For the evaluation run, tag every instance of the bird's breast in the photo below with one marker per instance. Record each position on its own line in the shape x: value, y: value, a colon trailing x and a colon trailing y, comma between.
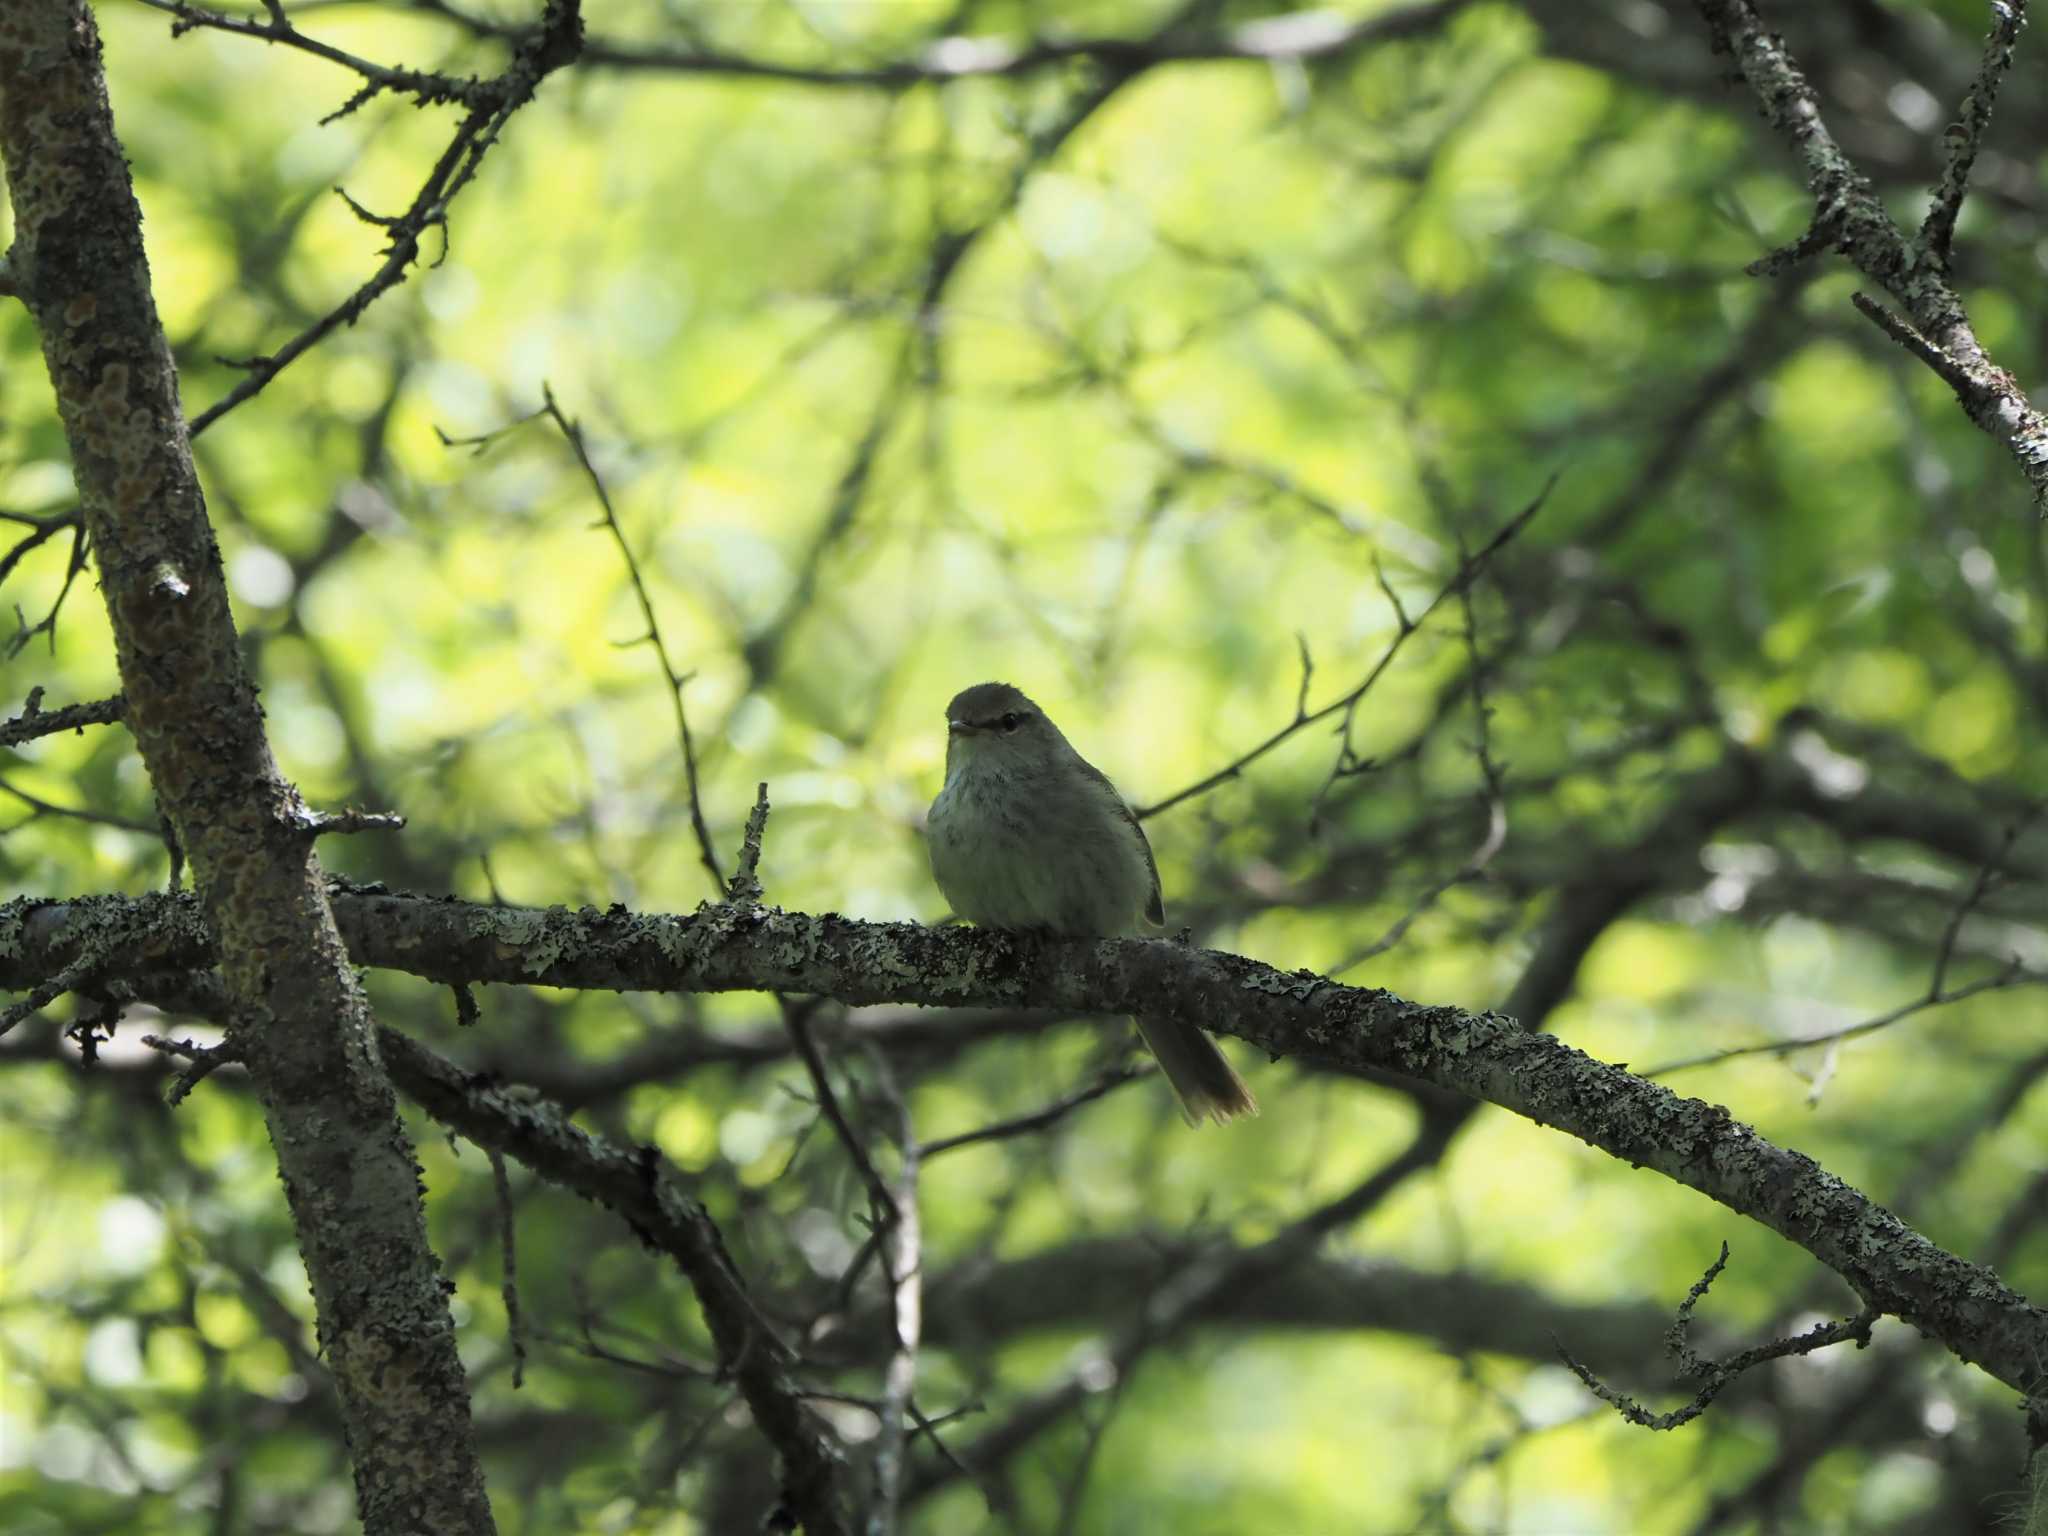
x: 1022, y: 854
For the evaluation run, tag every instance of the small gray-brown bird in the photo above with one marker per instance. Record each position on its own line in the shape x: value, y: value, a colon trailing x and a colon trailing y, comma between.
x: 1029, y: 834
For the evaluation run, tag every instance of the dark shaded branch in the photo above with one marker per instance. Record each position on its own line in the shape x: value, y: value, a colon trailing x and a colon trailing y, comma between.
x: 425, y: 86
x: 41, y: 807
x: 641, y: 1186
x: 1180, y: 1295
x: 1041, y: 1119
x: 1300, y: 36
x: 1061, y: 1288
x: 542, y: 50
x: 1716, y: 1375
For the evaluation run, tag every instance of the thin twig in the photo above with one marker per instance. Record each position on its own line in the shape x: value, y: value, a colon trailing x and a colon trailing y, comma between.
x: 1492, y: 795
x: 573, y: 431
x: 1851, y: 218
x: 796, y: 1019
x: 1938, y: 994
x: 1181, y: 1296
x: 1287, y: 38
x: 1908, y: 336
x: 1466, y: 572
x: 1075, y: 1491
x: 509, y: 1287
x: 642, y: 1187
x: 35, y: 721
x: 74, y: 564
x: 43, y: 807
x: 41, y: 529
x: 1988, y: 874
x: 428, y: 88
x: 1717, y: 1374
x: 1039, y: 1119
x: 903, y: 1267
x: 2012, y: 974
x: 491, y: 104
x: 204, y: 1061
x: 41, y: 997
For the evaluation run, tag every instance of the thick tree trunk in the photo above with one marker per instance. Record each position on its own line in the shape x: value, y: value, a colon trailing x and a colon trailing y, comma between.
x: 301, y: 1021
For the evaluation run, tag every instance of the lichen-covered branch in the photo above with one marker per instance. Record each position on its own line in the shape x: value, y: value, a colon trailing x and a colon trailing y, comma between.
x: 1288, y: 1014
x: 300, y: 1020
x: 1851, y: 218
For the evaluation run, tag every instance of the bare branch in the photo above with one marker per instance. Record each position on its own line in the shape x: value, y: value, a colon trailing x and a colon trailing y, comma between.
x: 507, y: 1242
x: 542, y: 50
x: 1988, y: 875
x: 205, y: 1061
x: 1938, y: 993
x: 1287, y: 38
x: 41, y: 807
x: 428, y: 88
x: 1492, y: 795
x: 47, y: 992
x: 1183, y: 1294
x: 74, y: 566
x: 796, y: 1018
x: 903, y: 1270
x: 34, y: 720
x: 1467, y: 572
x: 1718, y: 1374
x: 1906, y: 335
x: 385, y: 1325
x: 1040, y: 1119
x: 676, y: 681
x: 1308, y: 671
x: 329, y: 823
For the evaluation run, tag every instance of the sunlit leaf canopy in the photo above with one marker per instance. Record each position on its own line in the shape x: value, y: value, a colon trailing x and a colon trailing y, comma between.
x: 1133, y: 387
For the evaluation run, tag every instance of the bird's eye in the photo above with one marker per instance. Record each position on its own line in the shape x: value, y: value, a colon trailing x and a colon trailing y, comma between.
x: 1011, y: 721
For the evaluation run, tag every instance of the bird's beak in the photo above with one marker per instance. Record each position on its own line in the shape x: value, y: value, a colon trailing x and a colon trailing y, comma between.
x: 959, y: 728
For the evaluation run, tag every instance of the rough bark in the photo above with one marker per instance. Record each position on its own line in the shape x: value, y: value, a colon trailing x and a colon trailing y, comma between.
x: 301, y: 1022
x: 1289, y: 1014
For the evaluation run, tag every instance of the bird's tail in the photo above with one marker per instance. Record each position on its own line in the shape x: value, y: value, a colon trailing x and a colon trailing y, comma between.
x: 1203, y: 1080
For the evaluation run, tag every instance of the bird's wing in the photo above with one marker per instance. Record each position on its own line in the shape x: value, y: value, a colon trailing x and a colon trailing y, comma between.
x: 1155, y: 908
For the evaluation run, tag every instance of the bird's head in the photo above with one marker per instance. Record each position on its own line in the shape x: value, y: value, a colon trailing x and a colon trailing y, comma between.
x: 994, y: 724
